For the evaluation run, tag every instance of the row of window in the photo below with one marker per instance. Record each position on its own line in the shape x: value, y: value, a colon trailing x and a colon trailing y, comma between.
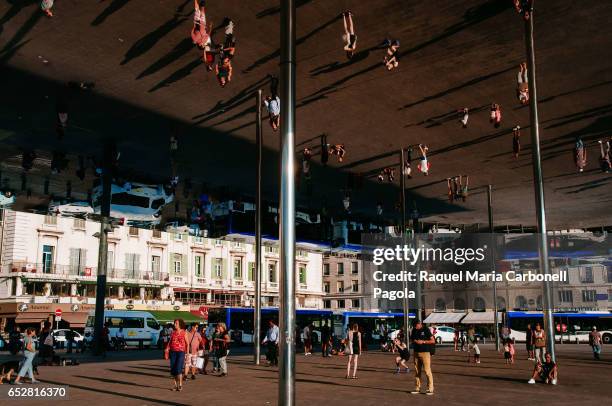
x: 341, y: 304
x: 340, y: 287
x: 567, y: 296
x: 340, y: 268
x: 78, y: 258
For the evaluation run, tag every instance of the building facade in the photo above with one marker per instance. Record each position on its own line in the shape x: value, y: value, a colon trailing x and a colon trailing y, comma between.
x: 51, y: 259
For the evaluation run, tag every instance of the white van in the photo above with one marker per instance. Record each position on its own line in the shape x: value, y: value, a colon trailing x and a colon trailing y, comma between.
x: 137, y: 326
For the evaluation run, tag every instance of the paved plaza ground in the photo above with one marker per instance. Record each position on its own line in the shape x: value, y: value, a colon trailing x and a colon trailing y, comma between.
x: 142, y: 378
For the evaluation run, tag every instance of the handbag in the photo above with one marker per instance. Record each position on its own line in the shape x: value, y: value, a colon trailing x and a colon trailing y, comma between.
x: 199, y: 363
x: 200, y: 353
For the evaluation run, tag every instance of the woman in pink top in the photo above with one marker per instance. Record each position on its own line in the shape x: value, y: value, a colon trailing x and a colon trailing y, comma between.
x: 175, y: 351
x: 195, y: 344
x: 199, y: 35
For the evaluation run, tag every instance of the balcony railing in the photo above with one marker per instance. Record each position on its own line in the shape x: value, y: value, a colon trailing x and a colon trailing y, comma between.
x: 83, y: 271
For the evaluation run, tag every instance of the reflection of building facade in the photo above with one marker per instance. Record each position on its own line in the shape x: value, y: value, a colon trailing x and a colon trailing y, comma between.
x: 49, y: 259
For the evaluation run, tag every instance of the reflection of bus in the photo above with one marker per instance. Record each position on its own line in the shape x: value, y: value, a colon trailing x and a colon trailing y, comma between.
x: 370, y: 323
x: 240, y: 320
x: 571, y: 327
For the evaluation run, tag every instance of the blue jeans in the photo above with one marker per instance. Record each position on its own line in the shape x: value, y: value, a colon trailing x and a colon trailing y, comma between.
x: 177, y: 362
x: 27, y: 366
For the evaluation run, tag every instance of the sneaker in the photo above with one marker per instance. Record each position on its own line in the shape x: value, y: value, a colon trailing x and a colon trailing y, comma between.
x: 36, y: 381
x: 17, y: 383
x: 554, y: 382
x: 429, y: 393
x: 397, y: 371
x: 531, y: 381
x: 415, y: 392
x: 478, y: 362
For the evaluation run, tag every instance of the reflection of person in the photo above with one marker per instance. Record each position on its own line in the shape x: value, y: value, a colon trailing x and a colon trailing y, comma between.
x: 349, y: 36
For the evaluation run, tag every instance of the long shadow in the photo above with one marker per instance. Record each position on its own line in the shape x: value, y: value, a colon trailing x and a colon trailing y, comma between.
x: 177, y: 75
x: 582, y: 115
x: 16, y: 7
x: 334, y: 66
x: 462, y: 86
x: 270, y: 11
x: 13, y: 45
x: 446, y: 117
x: 586, y: 186
x: 147, y: 42
x: 115, y: 393
x: 223, y: 106
x: 178, y: 51
x: 570, y: 92
x: 112, y: 8
x: 299, y: 41
x: 358, y: 384
x: 151, y: 368
x: 123, y: 371
x: 470, y: 143
x: 472, y: 16
x: 106, y: 380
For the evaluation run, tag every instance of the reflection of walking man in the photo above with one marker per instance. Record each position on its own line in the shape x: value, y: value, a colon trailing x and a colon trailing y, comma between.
x: 272, y: 341
x: 422, y: 342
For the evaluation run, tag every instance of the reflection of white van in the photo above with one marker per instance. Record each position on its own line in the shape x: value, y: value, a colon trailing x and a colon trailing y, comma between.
x: 137, y: 326
x: 135, y: 202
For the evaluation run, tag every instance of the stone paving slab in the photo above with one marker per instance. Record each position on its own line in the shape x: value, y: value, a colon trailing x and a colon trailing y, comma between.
x: 147, y: 382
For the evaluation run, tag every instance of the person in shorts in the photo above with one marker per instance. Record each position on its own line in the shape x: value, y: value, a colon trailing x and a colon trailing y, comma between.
x: 546, y: 371
x: 424, y: 165
x: 604, y: 157
x: 403, y: 355
x: 349, y: 37
x: 522, y: 85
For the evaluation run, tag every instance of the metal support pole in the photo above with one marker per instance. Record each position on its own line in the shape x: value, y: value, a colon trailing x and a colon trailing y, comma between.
x: 257, y: 320
x: 405, y: 304
x: 539, y: 185
x: 286, y: 384
x: 493, y: 267
x: 99, y: 340
x: 418, y: 290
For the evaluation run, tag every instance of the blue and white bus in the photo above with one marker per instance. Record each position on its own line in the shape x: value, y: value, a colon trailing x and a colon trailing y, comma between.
x: 572, y: 327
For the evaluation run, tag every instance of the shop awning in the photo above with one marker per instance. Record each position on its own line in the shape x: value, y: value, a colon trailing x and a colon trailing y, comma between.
x: 444, y: 318
x: 168, y: 316
x: 76, y: 320
x: 481, y: 318
x: 25, y: 318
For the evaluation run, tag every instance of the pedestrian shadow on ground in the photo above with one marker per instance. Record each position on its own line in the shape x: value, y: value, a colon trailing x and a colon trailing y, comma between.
x: 115, y: 393
x: 112, y: 8
x: 123, y: 371
x: 106, y: 380
x: 358, y: 384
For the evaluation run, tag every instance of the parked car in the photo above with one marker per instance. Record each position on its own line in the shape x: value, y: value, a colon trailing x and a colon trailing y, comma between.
x: 445, y: 334
x: 6, y: 199
x: 135, y: 202
x: 70, y: 208
x: 60, y: 335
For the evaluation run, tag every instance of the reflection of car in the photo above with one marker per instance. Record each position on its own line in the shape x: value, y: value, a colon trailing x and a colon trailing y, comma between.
x: 6, y: 199
x: 135, y: 202
x: 68, y: 208
x: 445, y: 334
x: 60, y: 335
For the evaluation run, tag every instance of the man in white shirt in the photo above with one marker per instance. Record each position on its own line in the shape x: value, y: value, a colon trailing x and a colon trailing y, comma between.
x: 271, y: 340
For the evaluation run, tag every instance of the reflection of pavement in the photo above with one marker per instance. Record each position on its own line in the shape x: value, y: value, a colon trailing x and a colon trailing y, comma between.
x: 321, y: 381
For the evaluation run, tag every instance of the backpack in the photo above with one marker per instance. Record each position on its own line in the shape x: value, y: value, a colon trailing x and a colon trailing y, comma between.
x: 49, y: 339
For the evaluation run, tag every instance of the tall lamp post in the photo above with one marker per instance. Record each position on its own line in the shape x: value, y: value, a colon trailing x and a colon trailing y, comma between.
x: 493, y: 268
x: 257, y: 315
x: 539, y: 184
x: 405, y: 304
x: 286, y: 383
